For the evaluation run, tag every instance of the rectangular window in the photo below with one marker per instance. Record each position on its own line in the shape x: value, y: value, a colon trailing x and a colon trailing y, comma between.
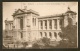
x: 50, y: 24
x: 55, y: 23
x: 33, y: 21
x: 61, y: 23
x: 41, y: 24
x: 45, y: 24
x: 21, y: 35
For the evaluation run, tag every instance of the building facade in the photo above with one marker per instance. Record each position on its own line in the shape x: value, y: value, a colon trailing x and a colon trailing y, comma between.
x: 28, y: 25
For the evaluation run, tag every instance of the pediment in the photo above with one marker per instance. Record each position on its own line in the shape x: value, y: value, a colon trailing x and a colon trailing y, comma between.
x: 19, y: 11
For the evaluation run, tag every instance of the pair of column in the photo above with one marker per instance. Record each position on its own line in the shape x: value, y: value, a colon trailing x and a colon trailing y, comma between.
x: 58, y: 24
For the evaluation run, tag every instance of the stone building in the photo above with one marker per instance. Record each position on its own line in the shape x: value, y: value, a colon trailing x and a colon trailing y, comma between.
x: 28, y: 25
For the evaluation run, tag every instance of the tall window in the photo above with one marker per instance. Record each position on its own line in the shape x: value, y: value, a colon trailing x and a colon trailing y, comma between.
x: 50, y: 34
x: 45, y: 24
x: 55, y: 34
x: 55, y: 23
x: 41, y: 34
x: 50, y: 24
x: 21, y: 23
x: 33, y: 21
x: 41, y: 24
x: 21, y: 35
x: 45, y: 34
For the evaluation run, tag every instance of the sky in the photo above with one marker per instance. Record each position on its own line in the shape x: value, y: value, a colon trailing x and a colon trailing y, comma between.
x: 44, y: 8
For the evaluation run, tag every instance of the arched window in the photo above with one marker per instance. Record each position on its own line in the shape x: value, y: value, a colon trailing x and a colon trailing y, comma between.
x: 55, y: 34
x: 45, y: 34
x: 50, y: 34
x: 59, y: 34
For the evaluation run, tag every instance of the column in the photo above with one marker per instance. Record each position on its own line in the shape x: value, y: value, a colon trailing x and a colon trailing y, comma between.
x: 58, y: 24
x: 37, y: 23
x: 15, y: 23
x: 23, y: 22
x: 19, y: 23
x: 47, y: 24
x: 52, y: 24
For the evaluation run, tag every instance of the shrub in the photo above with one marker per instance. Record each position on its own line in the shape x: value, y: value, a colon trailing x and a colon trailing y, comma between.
x: 24, y: 44
x: 35, y: 45
x: 46, y: 41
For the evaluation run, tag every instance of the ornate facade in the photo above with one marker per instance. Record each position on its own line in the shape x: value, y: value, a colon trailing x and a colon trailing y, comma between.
x: 27, y: 25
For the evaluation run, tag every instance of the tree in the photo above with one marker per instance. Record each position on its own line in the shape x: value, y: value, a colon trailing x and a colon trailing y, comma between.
x: 70, y: 32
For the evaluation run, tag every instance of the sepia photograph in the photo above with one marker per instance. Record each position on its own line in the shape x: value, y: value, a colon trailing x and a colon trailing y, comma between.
x: 40, y: 25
